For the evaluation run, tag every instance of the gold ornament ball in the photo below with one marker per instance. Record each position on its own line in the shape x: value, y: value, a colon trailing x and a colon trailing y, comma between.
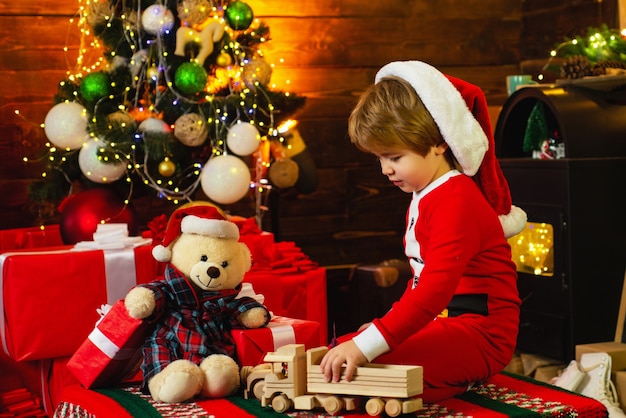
x: 121, y: 121
x: 153, y: 72
x: 167, y: 168
x: 224, y: 59
x: 284, y: 173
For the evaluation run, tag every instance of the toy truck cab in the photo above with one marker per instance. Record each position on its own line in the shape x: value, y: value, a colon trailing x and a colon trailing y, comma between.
x: 288, y: 378
x: 280, y: 379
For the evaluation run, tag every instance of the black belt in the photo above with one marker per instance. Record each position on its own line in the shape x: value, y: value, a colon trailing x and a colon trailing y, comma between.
x: 468, y: 303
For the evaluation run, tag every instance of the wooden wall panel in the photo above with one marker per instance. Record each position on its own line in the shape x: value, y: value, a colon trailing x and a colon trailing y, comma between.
x: 331, y: 51
x: 337, y: 41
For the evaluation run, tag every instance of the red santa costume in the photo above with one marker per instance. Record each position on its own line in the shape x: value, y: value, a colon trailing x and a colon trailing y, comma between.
x: 459, y: 315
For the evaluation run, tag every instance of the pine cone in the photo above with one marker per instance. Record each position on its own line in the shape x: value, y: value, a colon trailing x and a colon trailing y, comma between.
x: 576, y: 66
x: 601, y: 66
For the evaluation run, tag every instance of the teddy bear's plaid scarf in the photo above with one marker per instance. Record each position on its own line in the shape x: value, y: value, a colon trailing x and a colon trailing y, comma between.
x: 504, y: 395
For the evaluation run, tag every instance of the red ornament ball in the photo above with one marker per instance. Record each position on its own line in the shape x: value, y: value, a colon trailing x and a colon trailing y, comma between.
x: 82, y: 212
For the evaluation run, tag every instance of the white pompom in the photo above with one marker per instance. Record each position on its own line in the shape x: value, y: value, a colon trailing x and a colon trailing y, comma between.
x: 514, y: 222
x: 162, y: 254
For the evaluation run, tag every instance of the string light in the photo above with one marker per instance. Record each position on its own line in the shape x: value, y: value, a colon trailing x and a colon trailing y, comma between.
x: 599, y: 44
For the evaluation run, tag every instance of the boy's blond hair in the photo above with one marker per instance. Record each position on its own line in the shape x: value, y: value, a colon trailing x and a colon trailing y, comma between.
x: 391, y: 115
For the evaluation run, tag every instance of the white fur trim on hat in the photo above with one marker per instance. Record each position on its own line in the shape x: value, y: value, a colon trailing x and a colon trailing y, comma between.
x: 513, y: 222
x: 457, y: 125
x: 192, y: 224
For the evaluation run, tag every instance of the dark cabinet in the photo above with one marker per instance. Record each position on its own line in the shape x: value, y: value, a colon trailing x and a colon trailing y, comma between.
x: 582, y: 197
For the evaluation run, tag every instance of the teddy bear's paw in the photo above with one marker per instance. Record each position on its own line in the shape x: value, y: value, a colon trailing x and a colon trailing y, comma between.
x: 221, y: 376
x: 255, y: 317
x: 140, y: 302
x: 179, y: 381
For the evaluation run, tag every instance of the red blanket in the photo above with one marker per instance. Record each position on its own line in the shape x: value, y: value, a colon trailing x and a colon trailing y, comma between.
x: 504, y: 395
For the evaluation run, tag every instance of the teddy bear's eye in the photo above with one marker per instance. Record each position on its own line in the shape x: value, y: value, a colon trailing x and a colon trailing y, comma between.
x: 204, y: 258
x: 224, y: 264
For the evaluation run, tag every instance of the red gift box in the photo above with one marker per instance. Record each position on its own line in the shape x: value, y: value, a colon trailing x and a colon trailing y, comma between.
x: 31, y: 237
x: 112, y: 351
x: 253, y: 344
x: 56, y: 292
x: 45, y: 379
x: 295, y: 293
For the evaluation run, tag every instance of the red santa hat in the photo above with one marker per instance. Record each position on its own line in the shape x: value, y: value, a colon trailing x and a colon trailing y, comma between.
x: 461, y: 113
x: 194, y: 219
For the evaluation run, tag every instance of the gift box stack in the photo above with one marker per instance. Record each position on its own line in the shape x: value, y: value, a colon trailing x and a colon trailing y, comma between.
x: 50, y: 297
x: 53, y: 300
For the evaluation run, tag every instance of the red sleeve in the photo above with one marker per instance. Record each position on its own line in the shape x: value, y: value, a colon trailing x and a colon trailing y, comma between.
x: 449, y: 231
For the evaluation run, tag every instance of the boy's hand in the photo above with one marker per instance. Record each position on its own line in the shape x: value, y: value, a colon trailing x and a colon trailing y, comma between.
x: 345, y: 353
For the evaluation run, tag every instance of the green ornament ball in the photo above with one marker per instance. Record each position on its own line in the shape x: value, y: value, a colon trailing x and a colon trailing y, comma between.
x: 94, y: 86
x: 190, y: 78
x: 239, y: 15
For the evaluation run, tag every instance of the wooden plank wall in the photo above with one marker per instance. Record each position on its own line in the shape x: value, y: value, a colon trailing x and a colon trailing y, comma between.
x: 331, y: 51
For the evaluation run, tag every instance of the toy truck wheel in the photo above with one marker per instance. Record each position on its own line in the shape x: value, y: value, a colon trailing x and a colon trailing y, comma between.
x: 374, y: 406
x: 393, y: 407
x: 281, y: 403
x: 332, y: 405
x: 258, y: 388
x: 244, y: 372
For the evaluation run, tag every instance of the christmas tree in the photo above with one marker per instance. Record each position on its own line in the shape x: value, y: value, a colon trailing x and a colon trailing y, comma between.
x: 177, y: 97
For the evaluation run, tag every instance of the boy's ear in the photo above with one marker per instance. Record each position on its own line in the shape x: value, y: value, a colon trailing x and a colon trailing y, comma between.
x: 441, y: 148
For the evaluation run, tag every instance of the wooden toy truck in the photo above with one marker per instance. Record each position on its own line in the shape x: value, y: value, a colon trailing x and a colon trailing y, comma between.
x: 291, y: 377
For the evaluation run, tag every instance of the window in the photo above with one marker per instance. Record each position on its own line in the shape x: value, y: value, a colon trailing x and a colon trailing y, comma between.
x: 533, y: 249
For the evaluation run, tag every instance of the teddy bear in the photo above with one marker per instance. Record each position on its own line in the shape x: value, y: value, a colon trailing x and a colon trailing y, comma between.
x: 194, y: 306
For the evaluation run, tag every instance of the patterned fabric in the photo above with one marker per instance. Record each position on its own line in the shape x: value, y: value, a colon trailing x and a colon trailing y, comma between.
x: 197, y: 327
x: 69, y: 410
x: 504, y: 395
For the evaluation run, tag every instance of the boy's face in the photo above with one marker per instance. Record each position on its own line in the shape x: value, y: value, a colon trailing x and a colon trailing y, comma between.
x: 410, y: 171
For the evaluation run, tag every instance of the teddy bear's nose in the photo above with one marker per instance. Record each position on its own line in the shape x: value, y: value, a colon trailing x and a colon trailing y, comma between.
x: 213, y: 272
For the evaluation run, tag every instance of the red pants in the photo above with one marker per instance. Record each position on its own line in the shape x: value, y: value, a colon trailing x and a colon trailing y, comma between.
x: 455, y: 353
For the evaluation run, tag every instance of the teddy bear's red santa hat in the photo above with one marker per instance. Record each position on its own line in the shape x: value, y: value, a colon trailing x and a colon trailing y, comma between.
x: 194, y: 219
x: 461, y: 113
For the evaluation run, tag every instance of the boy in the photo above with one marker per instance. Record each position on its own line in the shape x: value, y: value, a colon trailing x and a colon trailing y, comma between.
x: 459, y: 315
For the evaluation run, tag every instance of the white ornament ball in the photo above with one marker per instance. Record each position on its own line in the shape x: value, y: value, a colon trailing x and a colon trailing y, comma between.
x: 95, y: 169
x: 225, y: 179
x: 191, y: 129
x: 157, y: 19
x: 66, y: 125
x: 243, y: 138
x: 154, y: 125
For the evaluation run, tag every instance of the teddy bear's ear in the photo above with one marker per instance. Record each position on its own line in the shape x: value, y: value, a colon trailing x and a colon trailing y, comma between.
x: 247, y: 256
